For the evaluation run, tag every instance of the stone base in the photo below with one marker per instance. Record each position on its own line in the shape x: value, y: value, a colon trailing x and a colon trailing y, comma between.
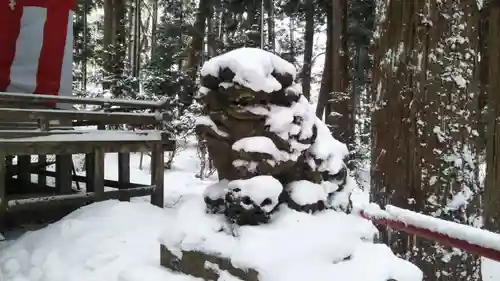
x: 203, y: 265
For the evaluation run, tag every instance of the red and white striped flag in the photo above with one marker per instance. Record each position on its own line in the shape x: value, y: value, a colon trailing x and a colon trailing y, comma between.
x: 36, y: 43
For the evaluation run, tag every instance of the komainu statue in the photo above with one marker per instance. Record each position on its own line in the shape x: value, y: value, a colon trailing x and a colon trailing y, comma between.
x: 264, y: 138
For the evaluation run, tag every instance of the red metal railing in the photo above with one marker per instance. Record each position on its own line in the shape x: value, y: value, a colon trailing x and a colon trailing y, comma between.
x: 481, y: 242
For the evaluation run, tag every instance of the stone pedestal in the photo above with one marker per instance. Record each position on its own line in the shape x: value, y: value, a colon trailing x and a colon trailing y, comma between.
x: 203, y: 265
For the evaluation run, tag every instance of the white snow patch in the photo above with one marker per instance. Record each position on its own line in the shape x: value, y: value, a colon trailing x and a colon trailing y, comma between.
x: 216, y: 190
x: 97, y: 242
x: 328, y: 149
x: 259, y: 188
x: 490, y: 270
x: 305, y: 192
x: 460, y: 81
x: 207, y: 121
x: 249, y: 165
x: 252, y: 68
x: 260, y: 144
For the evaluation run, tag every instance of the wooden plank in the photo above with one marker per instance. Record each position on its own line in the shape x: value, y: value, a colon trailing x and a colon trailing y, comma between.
x: 79, y: 135
x: 15, y: 205
x: 107, y: 183
x: 26, y: 98
x: 64, y: 165
x: 18, y: 114
x: 124, y: 171
x: 157, y: 174
x: 25, y: 148
x: 3, y: 191
x: 98, y: 173
x: 12, y: 134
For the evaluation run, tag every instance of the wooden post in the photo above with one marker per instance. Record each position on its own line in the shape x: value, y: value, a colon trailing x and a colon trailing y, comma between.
x: 89, y: 172
x: 3, y: 192
x: 64, y: 165
x: 90, y: 167
x: 64, y: 182
x: 157, y: 174
x: 24, y: 174
x: 98, y: 173
x: 124, y: 172
x: 42, y: 159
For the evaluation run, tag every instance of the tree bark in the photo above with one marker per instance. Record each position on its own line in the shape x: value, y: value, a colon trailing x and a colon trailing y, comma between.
x: 340, y: 107
x: 492, y: 184
x: 308, y: 49
x: 154, y: 27
x: 326, y: 86
x: 196, y: 48
x: 424, y: 131
x: 107, y: 43
x: 270, y: 26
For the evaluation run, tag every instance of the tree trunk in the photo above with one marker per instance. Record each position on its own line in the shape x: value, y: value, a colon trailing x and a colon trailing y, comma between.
x: 308, y: 49
x: 325, y: 90
x: 130, y: 23
x: 107, y: 43
x: 153, y: 27
x: 340, y: 108
x: 196, y: 48
x: 424, y: 130
x: 270, y: 26
x: 492, y: 186
x: 211, y: 43
x: 119, y: 46
x: 85, y: 43
x: 136, y: 59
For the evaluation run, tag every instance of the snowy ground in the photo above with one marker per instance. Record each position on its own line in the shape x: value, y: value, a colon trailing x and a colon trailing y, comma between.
x: 119, y: 241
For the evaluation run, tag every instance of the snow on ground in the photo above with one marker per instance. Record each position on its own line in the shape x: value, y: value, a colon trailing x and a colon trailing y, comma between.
x: 119, y: 241
x: 490, y: 270
x: 108, y: 241
x: 294, y: 246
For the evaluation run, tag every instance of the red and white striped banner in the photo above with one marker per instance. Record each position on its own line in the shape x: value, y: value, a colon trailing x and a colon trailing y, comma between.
x: 36, y: 43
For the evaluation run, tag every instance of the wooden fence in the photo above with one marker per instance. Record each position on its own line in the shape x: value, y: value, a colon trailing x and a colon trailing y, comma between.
x: 29, y: 126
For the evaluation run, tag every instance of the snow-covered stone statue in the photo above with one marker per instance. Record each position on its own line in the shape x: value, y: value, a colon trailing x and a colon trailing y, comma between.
x: 266, y: 142
x: 277, y: 163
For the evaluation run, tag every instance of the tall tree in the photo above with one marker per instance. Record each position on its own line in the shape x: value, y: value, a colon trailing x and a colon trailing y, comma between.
x: 154, y: 23
x: 426, y: 92
x: 340, y: 107
x: 114, y: 44
x: 492, y: 187
x: 308, y: 50
x: 196, y: 48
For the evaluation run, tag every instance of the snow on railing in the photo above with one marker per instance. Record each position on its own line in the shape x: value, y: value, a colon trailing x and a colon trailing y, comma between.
x: 467, y: 238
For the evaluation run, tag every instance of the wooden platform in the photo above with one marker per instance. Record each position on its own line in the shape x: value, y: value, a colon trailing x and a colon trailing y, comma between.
x: 29, y: 127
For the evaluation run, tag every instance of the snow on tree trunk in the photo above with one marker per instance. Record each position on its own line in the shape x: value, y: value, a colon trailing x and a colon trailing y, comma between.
x: 427, y: 95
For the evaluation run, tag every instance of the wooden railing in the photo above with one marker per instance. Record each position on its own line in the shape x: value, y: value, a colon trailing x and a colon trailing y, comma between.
x: 28, y: 126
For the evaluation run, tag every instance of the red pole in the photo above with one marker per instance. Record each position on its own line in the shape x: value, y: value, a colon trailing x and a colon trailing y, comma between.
x: 438, y: 237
